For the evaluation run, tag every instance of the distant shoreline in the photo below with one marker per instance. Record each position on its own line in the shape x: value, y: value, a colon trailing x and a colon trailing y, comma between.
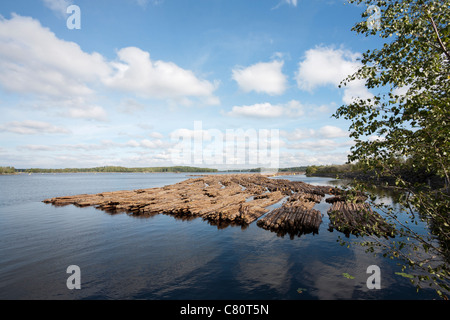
x: 173, y: 169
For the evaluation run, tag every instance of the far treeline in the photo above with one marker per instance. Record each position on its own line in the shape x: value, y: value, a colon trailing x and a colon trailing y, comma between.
x: 291, y: 169
x: 7, y: 170
x: 12, y: 170
x: 408, y: 169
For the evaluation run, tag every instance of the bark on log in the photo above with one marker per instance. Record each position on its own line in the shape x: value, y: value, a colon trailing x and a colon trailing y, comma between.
x: 231, y: 199
x: 358, y: 219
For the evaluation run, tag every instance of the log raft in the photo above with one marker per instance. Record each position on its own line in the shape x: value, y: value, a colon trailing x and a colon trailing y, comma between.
x: 356, y: 217
x: 222, y: 200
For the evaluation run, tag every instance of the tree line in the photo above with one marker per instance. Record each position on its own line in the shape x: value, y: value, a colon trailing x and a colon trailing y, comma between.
x: 4, y: 170
x: 7, y: 170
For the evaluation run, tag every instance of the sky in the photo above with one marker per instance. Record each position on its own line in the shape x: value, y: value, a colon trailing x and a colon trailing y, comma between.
x: 209, y: 83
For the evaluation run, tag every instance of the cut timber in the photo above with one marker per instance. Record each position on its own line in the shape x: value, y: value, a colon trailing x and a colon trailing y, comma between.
x: 292, y: 220
x: 236, y: 199
x: 220, y: 199
x: 357, y: 218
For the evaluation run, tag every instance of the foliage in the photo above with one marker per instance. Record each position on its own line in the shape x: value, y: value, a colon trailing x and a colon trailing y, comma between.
x: 346, y: 275
x: 406, y: 124
x: 7, y: 170
x: 332, y: 170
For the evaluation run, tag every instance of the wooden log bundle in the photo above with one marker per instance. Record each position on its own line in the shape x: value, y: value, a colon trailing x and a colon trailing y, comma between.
x: 229, y: 199
x: 294, y: 220
x: 357, y: 218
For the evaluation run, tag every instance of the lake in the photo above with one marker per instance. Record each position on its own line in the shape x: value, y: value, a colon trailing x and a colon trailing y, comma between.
x: 162, y: 258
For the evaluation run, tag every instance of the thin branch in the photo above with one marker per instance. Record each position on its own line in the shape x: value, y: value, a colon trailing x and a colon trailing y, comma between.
x: 439, y: 38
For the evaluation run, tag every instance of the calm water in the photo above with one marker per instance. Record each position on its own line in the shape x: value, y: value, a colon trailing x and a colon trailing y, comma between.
x: 123, y: 257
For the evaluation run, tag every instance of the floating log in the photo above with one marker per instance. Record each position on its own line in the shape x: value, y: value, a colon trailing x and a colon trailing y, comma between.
x: 357, y: 218
x: 236, y: 199
x: 294, y: 220
x: 229, y: 198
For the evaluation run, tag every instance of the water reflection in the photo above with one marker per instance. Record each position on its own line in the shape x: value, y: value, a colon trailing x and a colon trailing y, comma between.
x: 168, y: 257
x: 267, y: 272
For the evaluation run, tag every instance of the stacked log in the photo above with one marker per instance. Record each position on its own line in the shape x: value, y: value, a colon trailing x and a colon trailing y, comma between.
x: 214, y: 198
x: 357, y: 218
x: 292, y: 220
x: 235, y: 199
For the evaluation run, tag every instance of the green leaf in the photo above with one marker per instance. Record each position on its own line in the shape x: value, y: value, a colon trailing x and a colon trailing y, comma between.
x: 348, y: 276
x: 405, y: 275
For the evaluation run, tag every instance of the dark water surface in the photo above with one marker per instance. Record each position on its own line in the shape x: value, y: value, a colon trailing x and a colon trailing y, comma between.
x: 124, y: 257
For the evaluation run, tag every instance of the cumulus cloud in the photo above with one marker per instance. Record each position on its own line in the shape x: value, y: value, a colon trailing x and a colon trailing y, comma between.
x: 324, y: 66
x: 267, y: 110
x: 58, y: 6
x: 32, y: 127
x: 136, y: 72
x: 59, y: 74
x: 262, y: 77
x: 34, y: 60
x: 332, y: 132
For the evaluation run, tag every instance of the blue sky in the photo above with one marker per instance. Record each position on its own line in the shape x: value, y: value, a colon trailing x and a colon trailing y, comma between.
x: 142, y: 75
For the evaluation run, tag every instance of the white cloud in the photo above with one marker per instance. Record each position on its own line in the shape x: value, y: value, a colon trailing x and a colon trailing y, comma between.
x: 332, y: 132
x: 32, y: 127
x: 324, y: 133
x: 130, y: 106
x: 151, y: 144
x: 34, y: 147
x: 87, y: 112
x: 288, y: 2
x: 260, y: 110
x: 292, y: 159
x: 265, y: 77
x: 291, y: 109
x: 376, y: 138
x: 324, y: 66
x: 156, y: 135
x: 144, y: 3
x: 324, y: 145
x: 298, y: 134
x: 356, y: 90
x: 401, y: 91
x: 135, y: 72
x: 58, y: 6
x: 33, y: 60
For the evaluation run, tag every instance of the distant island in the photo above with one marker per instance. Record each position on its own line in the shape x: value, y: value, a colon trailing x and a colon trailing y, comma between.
x: 12, y: 170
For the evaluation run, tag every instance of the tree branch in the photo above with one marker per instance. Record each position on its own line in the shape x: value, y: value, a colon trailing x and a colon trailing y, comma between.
x: 439, y: 38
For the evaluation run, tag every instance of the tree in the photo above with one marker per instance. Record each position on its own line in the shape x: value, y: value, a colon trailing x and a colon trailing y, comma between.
x: 408, y: 118
x: 7, y: 170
